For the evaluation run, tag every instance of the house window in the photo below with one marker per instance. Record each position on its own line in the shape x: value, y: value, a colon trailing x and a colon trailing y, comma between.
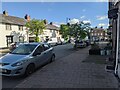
x: 105, y: 33
x: 95, y: 34
x: 20, y: 27
x: 8, y: 27
x: 92, y: 34
x: 50, y: 31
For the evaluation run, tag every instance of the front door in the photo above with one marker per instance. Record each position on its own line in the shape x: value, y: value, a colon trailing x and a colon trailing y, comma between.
x: 9, y: 40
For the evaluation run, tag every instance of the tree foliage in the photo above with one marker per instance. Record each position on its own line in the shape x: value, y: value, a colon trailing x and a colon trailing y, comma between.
x: 80, y: 30
x: 36, y: 27
x: 64, y: 30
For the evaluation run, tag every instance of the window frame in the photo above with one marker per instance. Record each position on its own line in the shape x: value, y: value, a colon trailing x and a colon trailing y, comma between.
x: 36, y: 52
x: 46, y: 48
x: 8, y: 26
x: 20, y: 27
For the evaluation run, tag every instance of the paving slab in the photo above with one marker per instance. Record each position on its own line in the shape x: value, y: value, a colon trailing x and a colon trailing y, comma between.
x: 72, y: 72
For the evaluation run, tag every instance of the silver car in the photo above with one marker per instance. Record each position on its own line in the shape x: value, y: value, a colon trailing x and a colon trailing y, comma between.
x: 26, y: 58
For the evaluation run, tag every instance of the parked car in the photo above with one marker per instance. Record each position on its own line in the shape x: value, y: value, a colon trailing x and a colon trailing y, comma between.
x: 87, y: 42
x: 80, y: 44
x: 26, y: 58
x: 52, y: 43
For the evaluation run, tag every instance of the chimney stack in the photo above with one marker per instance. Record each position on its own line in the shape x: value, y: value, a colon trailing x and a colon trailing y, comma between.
x: 45, y: 21
x: 96, y: 27
x: 27, y: 17
x: 5, y: 13
x: 51, y: 23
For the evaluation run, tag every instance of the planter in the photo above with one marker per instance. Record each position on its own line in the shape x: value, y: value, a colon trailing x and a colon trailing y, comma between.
x: 94, y: 52
x: 108, y: 52
x: 102, y: 52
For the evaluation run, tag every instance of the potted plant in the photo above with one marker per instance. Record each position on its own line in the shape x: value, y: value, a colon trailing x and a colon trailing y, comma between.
x: 95, y: 50
x: 108, y: 49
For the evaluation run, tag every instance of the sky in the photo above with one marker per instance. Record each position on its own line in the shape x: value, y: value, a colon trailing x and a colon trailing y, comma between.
x: 58, y: 12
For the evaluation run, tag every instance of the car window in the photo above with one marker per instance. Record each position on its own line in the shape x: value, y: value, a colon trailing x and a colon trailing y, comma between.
x: 39, y: 49
x: 24, y: 49
x: 46, y: 46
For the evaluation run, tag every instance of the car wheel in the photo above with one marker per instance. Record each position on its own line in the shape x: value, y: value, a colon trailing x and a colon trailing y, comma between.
x: 30, y: 69
x: 52, y: 58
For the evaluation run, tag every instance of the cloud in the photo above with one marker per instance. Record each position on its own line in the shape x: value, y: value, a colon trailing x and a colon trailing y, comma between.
x: 102, y: 24
x: 82, y: 17
x: 73, y: 21
x: 87, y: 21
x: 58, y: 23
x: 102, y: 17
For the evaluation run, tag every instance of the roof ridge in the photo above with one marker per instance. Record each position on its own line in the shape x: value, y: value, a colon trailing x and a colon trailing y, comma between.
x: 12, y: 16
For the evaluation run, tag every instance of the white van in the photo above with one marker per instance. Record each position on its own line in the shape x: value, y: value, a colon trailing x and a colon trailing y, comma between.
x: 53, y: 41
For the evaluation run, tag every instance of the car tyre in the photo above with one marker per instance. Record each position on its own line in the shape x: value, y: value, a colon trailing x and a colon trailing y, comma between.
x: 52, y: 58
x: 30, y: 69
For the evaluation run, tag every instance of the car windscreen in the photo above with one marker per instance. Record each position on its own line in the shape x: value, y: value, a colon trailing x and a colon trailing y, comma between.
x: 24, y: 49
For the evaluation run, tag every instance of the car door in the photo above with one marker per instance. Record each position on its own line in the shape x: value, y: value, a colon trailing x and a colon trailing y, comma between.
x: 39, y: 56
x: 48, y: 51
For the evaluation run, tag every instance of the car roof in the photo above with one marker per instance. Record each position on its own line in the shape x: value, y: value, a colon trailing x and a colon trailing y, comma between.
x: 35, y: 43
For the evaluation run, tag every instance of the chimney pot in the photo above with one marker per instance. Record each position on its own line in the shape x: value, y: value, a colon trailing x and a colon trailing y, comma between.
x: 45, y: 21
x: 51, y: 23
x: 5, y: 13
x: 27, y: 17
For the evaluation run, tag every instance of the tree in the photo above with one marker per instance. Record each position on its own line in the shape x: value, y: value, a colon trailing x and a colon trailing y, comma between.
x: 87, y: 29
x: 36, y: 27
x: 64, y: 30
x: 78, y: 30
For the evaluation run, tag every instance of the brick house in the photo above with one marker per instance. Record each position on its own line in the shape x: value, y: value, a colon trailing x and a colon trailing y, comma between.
x: 98, y: 34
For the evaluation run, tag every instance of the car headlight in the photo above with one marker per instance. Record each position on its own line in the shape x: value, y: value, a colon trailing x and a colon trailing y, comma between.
x: 18, y: 63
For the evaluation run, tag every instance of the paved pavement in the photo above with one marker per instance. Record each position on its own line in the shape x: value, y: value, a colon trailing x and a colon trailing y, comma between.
x: 72, y: 71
